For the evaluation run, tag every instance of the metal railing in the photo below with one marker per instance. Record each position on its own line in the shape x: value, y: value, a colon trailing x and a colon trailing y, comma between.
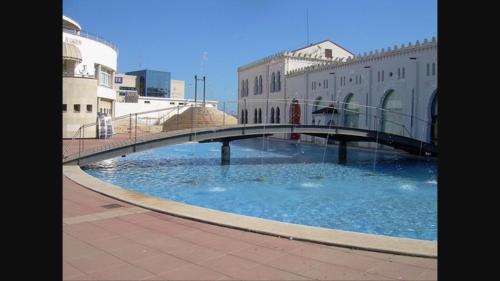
x: 146, y: 124
x: 374, y: 119
x: 77, y: 75
x: 124, y: 127
x: 92, y: 37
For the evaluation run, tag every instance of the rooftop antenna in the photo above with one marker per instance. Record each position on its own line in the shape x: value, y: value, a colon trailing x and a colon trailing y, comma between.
x: 204, y: 59
x: 307, y: 23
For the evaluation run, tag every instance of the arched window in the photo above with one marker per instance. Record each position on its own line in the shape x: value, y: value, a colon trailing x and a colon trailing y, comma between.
x: 260, y: 116
x: 255, y: 116
x: 272, y: 115
x: 246, y: 87
x: 277, y: 115
x: 242, y: 88
x: 260, y: 84
x: 392, y: 120
x: 278, y: 81
x: 351, y: 112
x: 317, y: 103
x: 246, y: 116
x: 273, y: 82
x: 255, y: 86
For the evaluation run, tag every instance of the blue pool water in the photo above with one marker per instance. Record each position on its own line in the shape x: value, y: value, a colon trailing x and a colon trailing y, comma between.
x: 290, y: 182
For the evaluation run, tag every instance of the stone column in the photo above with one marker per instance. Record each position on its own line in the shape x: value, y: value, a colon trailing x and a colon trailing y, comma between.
x: 225, y: 153
x: 342, y: 152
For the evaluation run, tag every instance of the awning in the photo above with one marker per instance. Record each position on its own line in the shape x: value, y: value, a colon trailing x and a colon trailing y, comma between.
x: 326, y: 110
x: 71, y: 52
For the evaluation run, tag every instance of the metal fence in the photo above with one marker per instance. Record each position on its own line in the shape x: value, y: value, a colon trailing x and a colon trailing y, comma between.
x: 139, y: 125
x: 91, y: 36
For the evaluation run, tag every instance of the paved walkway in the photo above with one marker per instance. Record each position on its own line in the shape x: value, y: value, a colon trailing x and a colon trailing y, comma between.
x: 102, y: 241
x: 71, y: 146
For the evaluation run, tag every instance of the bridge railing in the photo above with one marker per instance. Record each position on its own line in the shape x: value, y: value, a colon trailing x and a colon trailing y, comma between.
x: 324, y: 112
x: 136, y: 126
x: 125, y: 127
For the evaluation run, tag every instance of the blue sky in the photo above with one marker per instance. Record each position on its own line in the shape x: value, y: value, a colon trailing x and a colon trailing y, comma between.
x: 214, y: 37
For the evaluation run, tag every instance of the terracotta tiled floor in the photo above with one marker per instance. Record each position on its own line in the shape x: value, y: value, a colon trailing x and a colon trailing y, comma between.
x: 73, y: 146
x: 137, y: 244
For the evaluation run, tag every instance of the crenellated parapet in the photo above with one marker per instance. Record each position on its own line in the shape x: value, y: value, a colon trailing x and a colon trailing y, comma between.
x: 368, y: 57
x: 286, y: 54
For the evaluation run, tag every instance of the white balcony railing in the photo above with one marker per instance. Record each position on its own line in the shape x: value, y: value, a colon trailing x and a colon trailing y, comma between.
x: 91, y: 36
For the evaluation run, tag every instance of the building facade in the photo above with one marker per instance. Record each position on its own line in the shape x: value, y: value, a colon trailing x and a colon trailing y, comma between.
x: 89, y: 66
x: 152, y: 83
x: 125, y: 85
x: 392, y: 90
x: 177, y: 89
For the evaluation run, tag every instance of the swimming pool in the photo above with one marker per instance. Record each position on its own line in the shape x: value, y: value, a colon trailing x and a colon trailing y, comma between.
x: 291, y: 182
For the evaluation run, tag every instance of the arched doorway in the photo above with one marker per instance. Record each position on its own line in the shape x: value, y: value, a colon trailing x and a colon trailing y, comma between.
x: 392, y: 119
x: 272, y: 115
x: 260, y: 115
x: 277, y: 115
x: 255, y: 116
x: 434, y: 119
x: 351, y: 112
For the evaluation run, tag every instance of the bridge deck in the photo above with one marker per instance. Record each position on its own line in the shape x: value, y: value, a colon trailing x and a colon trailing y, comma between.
x: 234, y: 132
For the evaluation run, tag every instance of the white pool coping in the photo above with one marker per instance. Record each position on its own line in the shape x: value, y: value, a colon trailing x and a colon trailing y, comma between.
x: 356, y: 240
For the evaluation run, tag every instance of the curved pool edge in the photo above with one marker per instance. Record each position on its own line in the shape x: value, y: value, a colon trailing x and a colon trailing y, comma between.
x: 334, y: 237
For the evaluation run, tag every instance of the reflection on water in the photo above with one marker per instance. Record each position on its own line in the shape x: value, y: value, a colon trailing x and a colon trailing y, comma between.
x: 290, y: 182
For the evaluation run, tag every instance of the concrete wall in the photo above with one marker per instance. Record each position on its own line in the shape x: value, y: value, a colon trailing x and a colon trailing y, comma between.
x: 105, y: 106
x: 127, y: 81
x: 152, y: 103
x: 80, y: 91
x: 177, y: 89
x: 105, y: 92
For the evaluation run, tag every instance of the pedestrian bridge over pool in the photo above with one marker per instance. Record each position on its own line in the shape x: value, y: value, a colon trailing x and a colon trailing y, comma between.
x: 228, y: 133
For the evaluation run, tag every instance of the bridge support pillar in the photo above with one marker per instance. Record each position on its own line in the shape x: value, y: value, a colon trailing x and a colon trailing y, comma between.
x: 225, y: 153
x: 342, y: 152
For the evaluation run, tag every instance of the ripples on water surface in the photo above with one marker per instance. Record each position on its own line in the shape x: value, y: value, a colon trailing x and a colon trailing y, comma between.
x: 289, y: 182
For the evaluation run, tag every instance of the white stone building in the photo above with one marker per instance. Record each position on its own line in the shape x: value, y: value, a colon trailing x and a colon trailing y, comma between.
x: 392, y: 90
x: 89, y: 65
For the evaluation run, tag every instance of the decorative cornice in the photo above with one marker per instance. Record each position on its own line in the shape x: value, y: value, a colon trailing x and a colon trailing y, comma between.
x: 366, y: 57
x: 286, y: 54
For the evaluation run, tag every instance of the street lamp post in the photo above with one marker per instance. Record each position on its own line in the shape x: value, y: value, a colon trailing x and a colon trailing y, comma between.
x: 203, y: 91
x: 195, y: 89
